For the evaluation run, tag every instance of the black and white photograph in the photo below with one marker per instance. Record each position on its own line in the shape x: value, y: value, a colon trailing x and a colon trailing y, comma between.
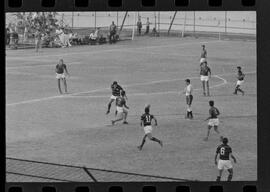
x: 127, y: 96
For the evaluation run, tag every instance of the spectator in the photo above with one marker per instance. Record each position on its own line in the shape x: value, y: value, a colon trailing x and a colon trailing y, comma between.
x: 25, y: 34
x: 147, y: 26
x: 112, y: 33
x: 139, y: 26
x: 37, y: 40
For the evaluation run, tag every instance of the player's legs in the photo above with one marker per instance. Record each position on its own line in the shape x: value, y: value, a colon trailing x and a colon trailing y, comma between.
x: 65, y: 84
x: 220, y: 171
x: 125, y: 113
x: 203, y: 85
x: 208, y: 132
x: 143, y: 142
x: 230, y: 174
x: 149, y: 135
x: 121, y: 117
x: 207, y: 86
x: 109, y: 106
x: 59, y: 85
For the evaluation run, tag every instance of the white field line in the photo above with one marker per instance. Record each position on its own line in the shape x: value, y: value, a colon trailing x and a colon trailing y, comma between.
x: 111, y: 50
x: 51, y: 65
x: 125, y: 86
x: 155, y: 93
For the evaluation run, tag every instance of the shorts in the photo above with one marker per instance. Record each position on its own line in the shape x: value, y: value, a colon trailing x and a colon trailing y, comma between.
x: 189, y: 99
x: 148, y: 129
x: 213, y: 122
x: 239, y: 82
x: 119, y: 109
x: 203, y: 60
x: 224, y: 164
x: 113, y: 97
x: 204, y: 78
x: 60, y: 76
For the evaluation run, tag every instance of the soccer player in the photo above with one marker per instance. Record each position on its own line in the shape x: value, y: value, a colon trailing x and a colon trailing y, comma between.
x: 189, y: 97
x: 116, y: 90
x: 240, y: 81
x: 203, y: 54
x: 60, y: 70
x: 213, y: 119
x: 146, y: 121
x: 205, y: 76
x: 121, y: 108
x: 225, y: 152
x: 38, y: 42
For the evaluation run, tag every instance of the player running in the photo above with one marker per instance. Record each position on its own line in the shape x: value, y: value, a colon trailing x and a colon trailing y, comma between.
x: 240, y: 81
x: 189, y: 97
x: 116, y: 91
x: 60, y: 70
x: 205, y: 76
x: 203, y: 54
x: 121, y: 108
x: 225, y: 152
x: 213, y: 120
x: 146, y: 121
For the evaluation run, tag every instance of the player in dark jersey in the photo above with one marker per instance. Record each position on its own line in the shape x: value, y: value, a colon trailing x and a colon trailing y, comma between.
x: 203, y: 54
x: 205, y: 73
x: 213, y: 120
x: 240, y: 81
x: 146, y: 121
x: 121, y: 108
x: 60, y: 70
x: 225, y: 152
x: 116, y: 91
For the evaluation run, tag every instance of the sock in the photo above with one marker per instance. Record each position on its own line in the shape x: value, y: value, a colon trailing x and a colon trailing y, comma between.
x: 229, y: 177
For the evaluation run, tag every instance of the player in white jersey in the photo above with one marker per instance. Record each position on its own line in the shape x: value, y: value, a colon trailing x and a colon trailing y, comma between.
x: 189, y: 98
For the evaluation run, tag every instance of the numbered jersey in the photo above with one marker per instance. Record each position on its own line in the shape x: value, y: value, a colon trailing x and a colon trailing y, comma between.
x: 60, y: 68
x: 120, y: 101
x: 213, y: 112
x: 224, y: 152
x: 116, y: 90
x: 205, y: 70
x: 147, y: 118
x: 240, y: 76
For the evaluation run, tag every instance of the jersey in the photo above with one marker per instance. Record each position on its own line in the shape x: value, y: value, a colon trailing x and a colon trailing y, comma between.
x: 213, y: 112
x: 203, y: 53
x: 240, y: 76
x: 224, y: 152
x: 205, y: 70
x: 60, y: 68
x: 188, y: 90
x: 120, y: 101
x: 116, y: 90
x: 147, y: 119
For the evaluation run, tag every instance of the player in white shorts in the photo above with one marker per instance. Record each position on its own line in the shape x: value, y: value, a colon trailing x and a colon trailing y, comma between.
x: 146, y: 120
x: 240, y: 81
x: 60, y: 70
x: 213, y: 120
x: 205, y: 73
x: 189, y: 98
x: 121, y: 109
x: 225, y: 152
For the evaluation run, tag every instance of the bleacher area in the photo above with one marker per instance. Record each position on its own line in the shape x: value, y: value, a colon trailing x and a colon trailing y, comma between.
x: 46, y: 131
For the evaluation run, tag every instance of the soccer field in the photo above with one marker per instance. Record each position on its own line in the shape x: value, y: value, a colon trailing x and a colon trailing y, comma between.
x: 72, y: 129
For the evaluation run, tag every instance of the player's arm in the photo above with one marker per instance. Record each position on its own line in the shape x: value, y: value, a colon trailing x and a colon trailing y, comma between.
x: 233, y: 157
x: 209, y: 72
x: 217, y: 152
x: 216, y: 158
x: 56, y: 69
x: 218, y: 113
x: 125, y: 105
x: 141, y: 121
x: 65, y: 68
x: 155, y: 120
